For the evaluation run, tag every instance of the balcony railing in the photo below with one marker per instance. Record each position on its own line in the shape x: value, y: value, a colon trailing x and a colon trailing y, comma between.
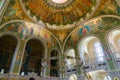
x: 19, y: 77
x: 94, y: 64
x: 26, y: 77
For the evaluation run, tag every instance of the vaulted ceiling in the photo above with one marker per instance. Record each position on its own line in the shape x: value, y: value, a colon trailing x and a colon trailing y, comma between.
x: 59, y: 16
x: 56, y: 14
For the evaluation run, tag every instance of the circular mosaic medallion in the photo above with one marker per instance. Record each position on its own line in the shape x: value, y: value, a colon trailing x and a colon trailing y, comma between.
x: 59, y: 14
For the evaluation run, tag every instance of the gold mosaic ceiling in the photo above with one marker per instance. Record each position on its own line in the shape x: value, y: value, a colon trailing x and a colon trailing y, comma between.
x: 59, y: 15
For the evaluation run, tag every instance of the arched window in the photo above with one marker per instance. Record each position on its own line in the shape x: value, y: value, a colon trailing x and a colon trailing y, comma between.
x: 54, y: 63
x: 118, y: 53
x: 114, y: 42
x: 99, y: 51
x: 118, y: 42
x: 113, y: 38
x: 85, y: 49
x: 81, y: 50
x: 70, y: 58
x: 90, y: 50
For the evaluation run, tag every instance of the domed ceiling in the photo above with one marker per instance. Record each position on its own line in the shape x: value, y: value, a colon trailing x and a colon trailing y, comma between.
x: 59, y: 14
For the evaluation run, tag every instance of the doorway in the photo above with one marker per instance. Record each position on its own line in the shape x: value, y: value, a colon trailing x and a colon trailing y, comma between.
x: 8, y: 44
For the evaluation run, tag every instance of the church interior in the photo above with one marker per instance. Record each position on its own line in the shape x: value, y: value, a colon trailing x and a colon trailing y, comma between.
x: 60, y: 39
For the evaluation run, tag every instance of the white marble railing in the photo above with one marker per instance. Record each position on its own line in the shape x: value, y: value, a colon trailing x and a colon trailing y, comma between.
x: 19, y: 77
x: 27, y: 77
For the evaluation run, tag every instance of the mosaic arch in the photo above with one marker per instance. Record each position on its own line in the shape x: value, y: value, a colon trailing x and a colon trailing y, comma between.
x: 98, y: 25
x: 25, y: 29
x: 59, y: 14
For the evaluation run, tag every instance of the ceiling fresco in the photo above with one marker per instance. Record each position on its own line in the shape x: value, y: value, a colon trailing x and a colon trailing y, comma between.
x: 15, y: 11
x: 58, y: 14
x: 107, y: 7
x: 60, y: 24
x: 26, y: 29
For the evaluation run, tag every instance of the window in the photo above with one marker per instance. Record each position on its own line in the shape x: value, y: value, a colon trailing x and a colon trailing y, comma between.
x: 99, y: 51
x: 117, y: 53
x: 70, y: 58
x: 82, y: 51
x: 118, y: 42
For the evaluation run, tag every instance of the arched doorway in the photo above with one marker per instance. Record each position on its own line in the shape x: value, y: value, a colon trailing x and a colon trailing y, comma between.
x: 33, y: 55
x: 8, y: 44
x: 54, y: 63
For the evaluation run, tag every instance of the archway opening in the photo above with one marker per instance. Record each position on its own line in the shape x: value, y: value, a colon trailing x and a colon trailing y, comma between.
x: 113, y: 39
x: 33, y: 56
x: 54, y: 63
x: 8, y: 44
x: 92, y: 54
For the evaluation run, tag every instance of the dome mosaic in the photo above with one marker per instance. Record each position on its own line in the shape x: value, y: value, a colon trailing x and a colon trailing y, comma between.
x: 59, y: 14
